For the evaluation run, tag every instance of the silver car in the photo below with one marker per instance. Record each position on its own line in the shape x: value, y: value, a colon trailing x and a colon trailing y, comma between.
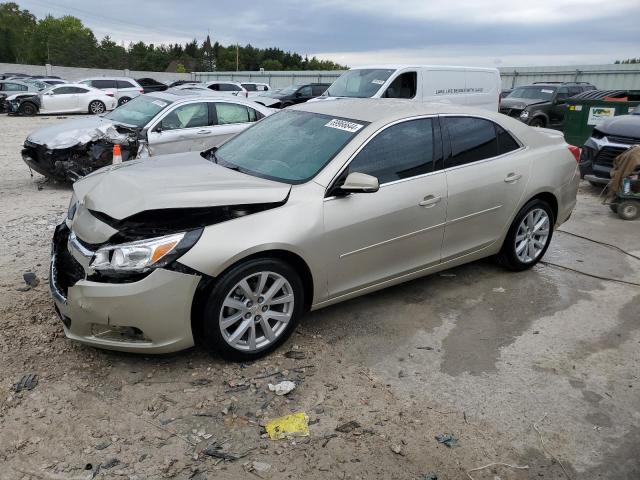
x: 152, y: 124
x: 309, y: 207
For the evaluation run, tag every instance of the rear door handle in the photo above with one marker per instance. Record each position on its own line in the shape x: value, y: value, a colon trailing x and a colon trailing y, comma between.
x: 203, y: 132
x: 430, y: 201
x: 512, y: 178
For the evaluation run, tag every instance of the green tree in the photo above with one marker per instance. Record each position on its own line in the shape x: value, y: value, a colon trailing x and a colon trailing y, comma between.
x: 16, y: 28
x: 64, y: 41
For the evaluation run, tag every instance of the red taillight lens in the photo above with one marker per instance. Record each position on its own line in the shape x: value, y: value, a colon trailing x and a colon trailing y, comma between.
x: 575, y: 151
x: 141, y: 90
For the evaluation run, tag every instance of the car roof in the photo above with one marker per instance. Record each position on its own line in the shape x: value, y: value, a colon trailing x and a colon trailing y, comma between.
x: 186, y: 95
x: 107, y: 78
x: 386, y: 110
x: 398, y: 66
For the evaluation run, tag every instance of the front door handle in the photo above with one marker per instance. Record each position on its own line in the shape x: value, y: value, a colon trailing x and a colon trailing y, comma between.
x: 430, y: 201
x: 203, y: 132
x: 512, y: 178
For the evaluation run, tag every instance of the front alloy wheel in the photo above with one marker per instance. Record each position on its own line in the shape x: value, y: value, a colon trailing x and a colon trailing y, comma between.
x: 97, y: 107
x: 253, y: 309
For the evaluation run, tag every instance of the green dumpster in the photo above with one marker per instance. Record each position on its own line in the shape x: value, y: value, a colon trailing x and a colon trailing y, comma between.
x: 589, y: 109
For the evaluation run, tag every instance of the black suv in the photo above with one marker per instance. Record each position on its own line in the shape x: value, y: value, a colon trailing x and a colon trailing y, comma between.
x: 291, y: 95
x: 151, y: 85
x: 542, y: 104
x: 608, y: 140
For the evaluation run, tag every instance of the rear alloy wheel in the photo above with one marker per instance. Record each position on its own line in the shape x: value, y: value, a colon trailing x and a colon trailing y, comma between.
x: 27, y: 109
x: 123, y: 100
x: 628, y: 209
x: 528, y: 237
x: 96, y: 107
x: 253, y: 309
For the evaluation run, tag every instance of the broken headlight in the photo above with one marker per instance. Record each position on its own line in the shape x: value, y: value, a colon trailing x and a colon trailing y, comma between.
x: 524, y: 115
x: 143, y: 255
x: 73, y: 206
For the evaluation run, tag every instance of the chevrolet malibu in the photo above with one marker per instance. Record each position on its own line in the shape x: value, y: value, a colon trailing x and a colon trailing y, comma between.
x: 309, y: 207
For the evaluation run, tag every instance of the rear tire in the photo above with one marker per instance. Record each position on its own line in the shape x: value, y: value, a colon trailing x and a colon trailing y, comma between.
x: 27, y: 109
x: 529, y: 236
x: 613, y: 207
x: 243, y: 318
x: 628, y: 209
x: 123, y: 100
x: 96, y: 107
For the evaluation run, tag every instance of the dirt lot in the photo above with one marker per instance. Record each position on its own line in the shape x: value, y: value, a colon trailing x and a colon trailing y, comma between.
x: 536, y: 369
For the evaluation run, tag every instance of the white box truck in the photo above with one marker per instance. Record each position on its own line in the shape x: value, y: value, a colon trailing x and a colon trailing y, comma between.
x: 472, y: 86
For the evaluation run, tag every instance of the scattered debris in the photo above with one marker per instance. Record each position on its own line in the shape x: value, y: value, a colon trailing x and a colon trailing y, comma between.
x: 257, y: 467
x: 282, y: 388
x: 102, y: 445
x: 327, y: 438
x: 27, y: 382
x: 429, y: 476
x: 238, y: 388
x: 31, y: 279
x: 216, y: 450
x: 517, y: 467
x: 294, y: 425
x: 499, y: 290
x: 447, y: 439
x: 348, y: 427
x: 424, y: 348
x: 112, y: 462
x: 544, y: 448
x: 295, y: 354
x: 397, y: 449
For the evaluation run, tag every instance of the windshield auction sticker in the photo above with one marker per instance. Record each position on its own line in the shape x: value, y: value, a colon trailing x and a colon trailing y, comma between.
x: 344, y: 125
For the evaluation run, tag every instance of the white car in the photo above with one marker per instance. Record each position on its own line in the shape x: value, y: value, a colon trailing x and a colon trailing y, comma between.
x: 66, y: 98
x: 227, y: 88
x: 254, y: 89
x: 122, y: 88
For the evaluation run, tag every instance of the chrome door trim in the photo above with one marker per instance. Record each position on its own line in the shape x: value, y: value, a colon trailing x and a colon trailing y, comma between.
x: 474, y: 214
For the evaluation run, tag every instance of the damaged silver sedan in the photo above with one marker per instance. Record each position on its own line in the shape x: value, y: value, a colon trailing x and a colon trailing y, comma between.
x: 312, y: 206
x: 148, y: 125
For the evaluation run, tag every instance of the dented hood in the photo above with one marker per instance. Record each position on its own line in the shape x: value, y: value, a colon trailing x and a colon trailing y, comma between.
x: 182, y: 180
x: 74, y: 132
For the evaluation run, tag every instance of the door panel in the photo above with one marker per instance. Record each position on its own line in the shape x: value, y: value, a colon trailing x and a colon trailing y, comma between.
x: 376, y: 236
x: 182, y: 129
x: 219, y: 134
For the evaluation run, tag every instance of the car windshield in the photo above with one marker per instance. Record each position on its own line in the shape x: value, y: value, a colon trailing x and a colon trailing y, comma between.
x: 361, y: 83
x: 139, y: 111
x: 289, y: 146
x: 533, y: 93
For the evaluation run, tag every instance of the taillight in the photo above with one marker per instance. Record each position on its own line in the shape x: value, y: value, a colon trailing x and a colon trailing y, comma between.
x: 575, y: 151
x: 141, y: 90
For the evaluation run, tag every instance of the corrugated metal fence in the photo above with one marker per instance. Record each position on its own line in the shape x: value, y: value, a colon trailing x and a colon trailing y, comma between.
x: 625, y: 77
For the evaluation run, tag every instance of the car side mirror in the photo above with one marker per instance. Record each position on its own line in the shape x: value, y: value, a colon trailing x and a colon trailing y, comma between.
x: 357, y: 182
x: 158, y: 128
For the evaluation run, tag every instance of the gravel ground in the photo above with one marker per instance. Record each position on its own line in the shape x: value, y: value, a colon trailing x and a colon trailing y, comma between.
x: 536, y: 369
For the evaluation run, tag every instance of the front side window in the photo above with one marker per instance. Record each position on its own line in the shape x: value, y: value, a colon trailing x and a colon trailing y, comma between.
x: 305, y: 91
x: 404, y: 86
x: 472, y: 139
x: 139, y: 111
x: 64, y: 90
x: 317, y: 90
x: 359, y: 83
x: 401, y: 151
x: 187, y: 116
x: 288, y: 146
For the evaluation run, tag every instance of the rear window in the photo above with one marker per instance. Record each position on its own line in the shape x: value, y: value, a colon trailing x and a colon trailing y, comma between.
x: 103, y: 83
x: 124, y: 84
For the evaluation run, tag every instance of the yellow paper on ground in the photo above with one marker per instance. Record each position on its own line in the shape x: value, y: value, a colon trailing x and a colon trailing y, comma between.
x: 294, y: 425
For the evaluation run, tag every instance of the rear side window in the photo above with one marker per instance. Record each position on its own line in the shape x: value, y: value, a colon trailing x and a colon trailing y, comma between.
x: 250, y: 87
x: 317, y: 90
x: 305, y: 91
x: 401, y: 151
x: 103, y: 83
x: 228, y: 87
x: 64, y: 90
x: 14, y: 87
x: 187, y: 116
x: 125, y: 84
x: 234, y: 113
x: 506, y: 143
x: 472, y: 139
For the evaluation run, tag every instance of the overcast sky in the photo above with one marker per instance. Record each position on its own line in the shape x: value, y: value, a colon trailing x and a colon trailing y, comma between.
x: 360, y: 32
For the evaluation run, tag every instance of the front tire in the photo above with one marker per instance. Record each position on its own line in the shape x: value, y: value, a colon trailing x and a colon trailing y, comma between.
x: 537, y: 122
x: 96, y: 107
x: 123, y: 100
x: 27, y: 109
x: 253, y: 309
x: 529, y: 236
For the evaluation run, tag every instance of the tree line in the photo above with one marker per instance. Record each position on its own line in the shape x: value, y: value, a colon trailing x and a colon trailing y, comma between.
x: 627, y: 61
x: 65, y: 41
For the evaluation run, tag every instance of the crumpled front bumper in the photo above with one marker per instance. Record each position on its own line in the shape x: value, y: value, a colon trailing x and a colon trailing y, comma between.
x: 151, y: 315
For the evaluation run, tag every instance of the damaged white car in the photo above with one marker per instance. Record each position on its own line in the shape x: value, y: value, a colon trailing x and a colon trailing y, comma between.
x: 148, y: 125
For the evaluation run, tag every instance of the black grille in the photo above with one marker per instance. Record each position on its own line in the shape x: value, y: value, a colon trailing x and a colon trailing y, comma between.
x: 607, y: 155
x: 624, y: 140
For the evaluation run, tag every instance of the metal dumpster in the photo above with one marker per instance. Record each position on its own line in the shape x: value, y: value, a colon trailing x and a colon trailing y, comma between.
x: 589, y: 109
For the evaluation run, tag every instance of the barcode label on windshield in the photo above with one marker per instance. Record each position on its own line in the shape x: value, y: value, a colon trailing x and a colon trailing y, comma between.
x: 344, y: 125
